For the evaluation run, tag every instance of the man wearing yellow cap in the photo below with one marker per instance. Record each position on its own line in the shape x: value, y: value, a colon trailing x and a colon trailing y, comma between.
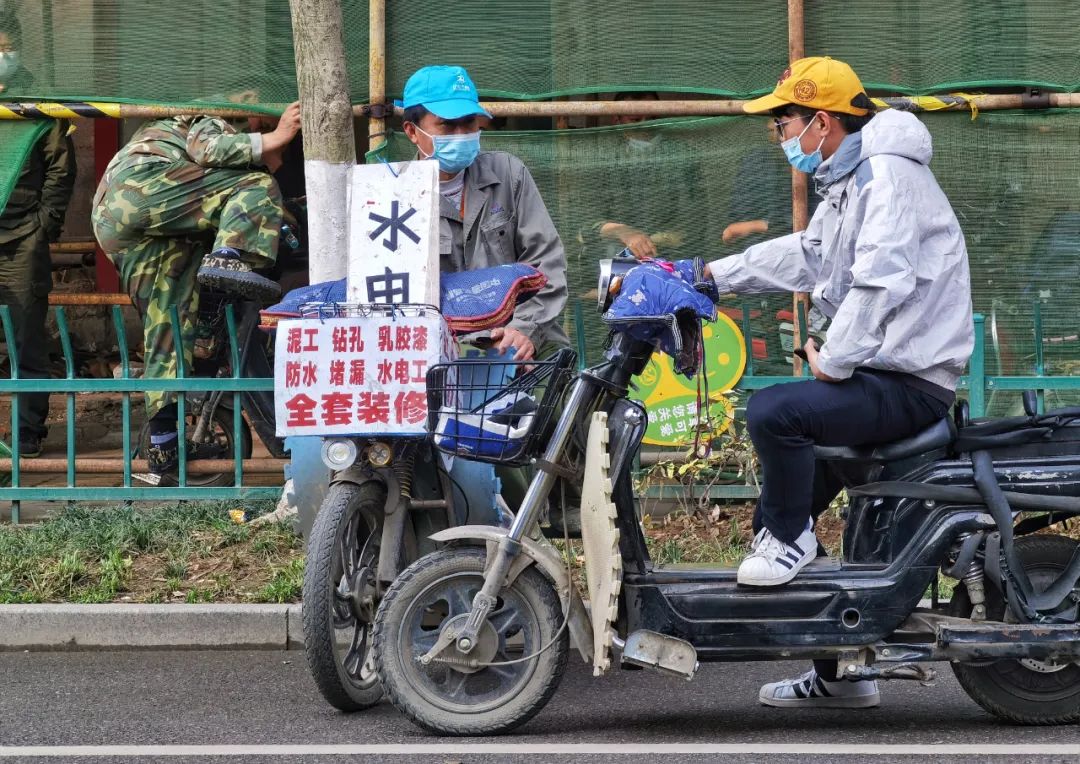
x: 884, y: 258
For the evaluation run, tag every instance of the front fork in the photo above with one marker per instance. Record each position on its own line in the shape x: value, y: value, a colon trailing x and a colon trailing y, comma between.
x: 509, y: 545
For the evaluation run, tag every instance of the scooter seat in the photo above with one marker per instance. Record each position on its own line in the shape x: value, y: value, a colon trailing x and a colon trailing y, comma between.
x: 937, y: 435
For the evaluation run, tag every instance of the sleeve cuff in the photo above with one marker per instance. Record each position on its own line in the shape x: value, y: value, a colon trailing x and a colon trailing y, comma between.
x: 256, y: 147
x: 827, y: 367
x: 718, y: 271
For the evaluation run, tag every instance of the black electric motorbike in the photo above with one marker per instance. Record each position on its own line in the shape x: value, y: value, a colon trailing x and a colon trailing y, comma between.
x: 390, y: 496
x: 473, y: 638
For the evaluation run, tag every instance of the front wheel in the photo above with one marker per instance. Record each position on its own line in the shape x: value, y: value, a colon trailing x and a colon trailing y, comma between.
x: 522, y: 648
x: 1024, y: 691
x: 340, y: 595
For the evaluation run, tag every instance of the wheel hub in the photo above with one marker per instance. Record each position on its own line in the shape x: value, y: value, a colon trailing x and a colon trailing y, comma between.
x: 361, y: 595
x: 1043, y: 667
x: 487, y: 645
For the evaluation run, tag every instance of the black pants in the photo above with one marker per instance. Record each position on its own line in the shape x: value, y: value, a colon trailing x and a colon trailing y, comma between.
x: 25, y: 281
x: 786, y: 421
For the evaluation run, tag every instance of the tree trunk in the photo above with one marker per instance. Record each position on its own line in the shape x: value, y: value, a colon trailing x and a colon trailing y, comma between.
x: 329, y: 148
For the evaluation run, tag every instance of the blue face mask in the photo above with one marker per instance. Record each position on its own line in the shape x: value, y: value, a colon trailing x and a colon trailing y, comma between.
x: 454, y: 152
x: 798, y: 158
x: 9, y: 64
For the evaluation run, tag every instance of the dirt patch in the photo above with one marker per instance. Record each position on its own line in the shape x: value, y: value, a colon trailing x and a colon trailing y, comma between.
x: 238, y: 572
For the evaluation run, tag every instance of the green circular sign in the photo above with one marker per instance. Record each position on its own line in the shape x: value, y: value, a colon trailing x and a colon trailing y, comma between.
x: 672, y: 400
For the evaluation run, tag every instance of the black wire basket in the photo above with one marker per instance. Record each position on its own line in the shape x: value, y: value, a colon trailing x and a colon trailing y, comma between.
x: 496, y: 411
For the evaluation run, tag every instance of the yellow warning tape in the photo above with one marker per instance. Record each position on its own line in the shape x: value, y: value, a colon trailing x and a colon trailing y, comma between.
x: 931, y: 103
x: 53, y: 110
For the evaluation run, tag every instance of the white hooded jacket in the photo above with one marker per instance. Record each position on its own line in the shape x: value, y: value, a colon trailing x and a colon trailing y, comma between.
x: 883, y: 257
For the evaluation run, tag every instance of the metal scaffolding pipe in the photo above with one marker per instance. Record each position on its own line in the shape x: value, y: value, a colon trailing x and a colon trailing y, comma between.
x: 71, y: 259
x: 259, y: 466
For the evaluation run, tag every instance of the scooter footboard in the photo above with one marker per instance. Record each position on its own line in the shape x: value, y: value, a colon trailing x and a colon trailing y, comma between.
x: 828, y: 604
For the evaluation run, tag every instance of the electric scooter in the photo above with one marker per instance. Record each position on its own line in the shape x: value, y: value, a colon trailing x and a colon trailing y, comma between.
x: 474, y: 638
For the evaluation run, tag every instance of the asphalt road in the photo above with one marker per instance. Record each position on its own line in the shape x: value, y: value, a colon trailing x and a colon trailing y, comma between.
x: 195, y: 706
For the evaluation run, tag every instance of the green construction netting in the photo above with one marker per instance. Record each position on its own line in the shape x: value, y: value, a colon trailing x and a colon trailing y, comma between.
x: 16, y: 140
x: 173, y: 52
x: 1013, y: 178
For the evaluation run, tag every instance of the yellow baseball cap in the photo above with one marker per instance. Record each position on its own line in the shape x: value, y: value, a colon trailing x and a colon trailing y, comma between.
x: 818, y: 82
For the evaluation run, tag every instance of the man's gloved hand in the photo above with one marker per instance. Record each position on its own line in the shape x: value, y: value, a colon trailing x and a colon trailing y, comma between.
x: 693, y: 273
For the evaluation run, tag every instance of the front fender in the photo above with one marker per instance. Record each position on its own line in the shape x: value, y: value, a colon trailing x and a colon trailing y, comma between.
x: 540, y: 553
x: 358, y: 474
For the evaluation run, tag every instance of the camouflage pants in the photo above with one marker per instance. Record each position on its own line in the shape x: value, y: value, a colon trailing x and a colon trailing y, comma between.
x: 154, y: 220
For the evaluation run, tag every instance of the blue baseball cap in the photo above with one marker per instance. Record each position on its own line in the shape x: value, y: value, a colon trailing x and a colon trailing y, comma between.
x: 445, y: 91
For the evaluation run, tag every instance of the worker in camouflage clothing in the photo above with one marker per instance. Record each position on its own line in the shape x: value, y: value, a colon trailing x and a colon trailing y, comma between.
x: 32, y: 217
x: 177, y: 182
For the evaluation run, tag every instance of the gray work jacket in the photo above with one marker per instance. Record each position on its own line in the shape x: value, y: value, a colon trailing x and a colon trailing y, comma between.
x: 506, y: 222
x: 883, y: 257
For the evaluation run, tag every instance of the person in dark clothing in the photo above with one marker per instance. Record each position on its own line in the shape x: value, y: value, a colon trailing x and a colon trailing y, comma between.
x: 32, y: 217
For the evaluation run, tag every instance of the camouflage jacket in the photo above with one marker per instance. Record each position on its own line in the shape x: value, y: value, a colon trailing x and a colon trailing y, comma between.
x: 43, y: 189
x: 205, y: 141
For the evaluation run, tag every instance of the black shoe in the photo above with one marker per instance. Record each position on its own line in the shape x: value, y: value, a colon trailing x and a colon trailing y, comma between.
x: 29, y: 445
x: 224, y: 270
x: 163, y: 456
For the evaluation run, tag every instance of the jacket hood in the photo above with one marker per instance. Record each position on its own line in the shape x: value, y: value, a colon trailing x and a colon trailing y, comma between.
x: 899, y: 133
x: 890, y: 132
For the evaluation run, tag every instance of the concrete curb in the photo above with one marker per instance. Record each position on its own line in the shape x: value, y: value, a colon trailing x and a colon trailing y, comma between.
x: 154, y: 627
x: 150, y: 627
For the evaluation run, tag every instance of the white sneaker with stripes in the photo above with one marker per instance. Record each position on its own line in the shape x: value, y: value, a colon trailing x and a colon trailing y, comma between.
x: 772, y: 562
x: 811, y: 691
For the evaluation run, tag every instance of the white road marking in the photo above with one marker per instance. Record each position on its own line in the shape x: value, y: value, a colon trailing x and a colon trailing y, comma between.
x: 542, y: 749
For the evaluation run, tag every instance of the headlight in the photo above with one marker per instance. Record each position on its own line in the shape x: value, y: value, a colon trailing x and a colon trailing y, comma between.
x: 339, y: 453
x: 380, y: 454
x: 611, y: 276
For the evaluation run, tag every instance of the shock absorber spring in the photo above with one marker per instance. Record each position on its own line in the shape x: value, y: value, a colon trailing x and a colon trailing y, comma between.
x: 403, y: 471
x: 973, y: 580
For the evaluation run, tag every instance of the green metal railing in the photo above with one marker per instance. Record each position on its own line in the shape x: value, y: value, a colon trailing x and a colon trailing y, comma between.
x: 126, y: 385
x: 976, y: 383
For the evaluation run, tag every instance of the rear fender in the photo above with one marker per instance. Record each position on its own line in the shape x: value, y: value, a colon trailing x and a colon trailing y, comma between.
x: 540, y: 553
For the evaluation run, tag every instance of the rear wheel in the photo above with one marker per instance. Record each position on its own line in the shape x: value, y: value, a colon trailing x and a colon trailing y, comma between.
x: 340, y: 595
x: 517, y: 676
x: 1025, y: 691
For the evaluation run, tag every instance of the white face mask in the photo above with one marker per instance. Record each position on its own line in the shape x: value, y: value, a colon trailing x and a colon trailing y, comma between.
x: 9, y: 64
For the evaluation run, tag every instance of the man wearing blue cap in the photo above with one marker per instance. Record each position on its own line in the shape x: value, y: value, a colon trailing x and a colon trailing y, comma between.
x: 490, y: 212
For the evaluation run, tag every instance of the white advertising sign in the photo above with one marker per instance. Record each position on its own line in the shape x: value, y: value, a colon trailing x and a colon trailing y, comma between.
x: 394, y: 233
x: 356, y: 375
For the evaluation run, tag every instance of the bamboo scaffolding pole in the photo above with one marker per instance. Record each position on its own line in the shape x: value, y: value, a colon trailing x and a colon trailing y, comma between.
x: 260, y: 466
x: 88, y: 298
x: 87, y: 245
x: 972, y: 102
x: 800, y: 206
x: 376, y: 70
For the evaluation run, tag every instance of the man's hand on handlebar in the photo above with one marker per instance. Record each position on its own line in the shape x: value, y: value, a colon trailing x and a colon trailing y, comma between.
x: 696, y: 273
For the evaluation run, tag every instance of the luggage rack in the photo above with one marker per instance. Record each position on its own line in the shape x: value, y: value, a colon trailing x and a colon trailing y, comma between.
x: 322, y: 310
